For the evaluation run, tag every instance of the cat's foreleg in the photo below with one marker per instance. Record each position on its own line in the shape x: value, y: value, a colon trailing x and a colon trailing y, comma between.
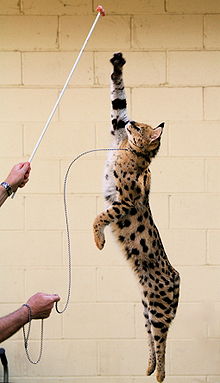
x: 115, y: 212
x: 119, y: 116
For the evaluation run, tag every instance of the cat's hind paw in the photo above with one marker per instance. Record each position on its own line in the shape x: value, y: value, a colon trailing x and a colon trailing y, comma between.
x: 160, y: 375
x: 151, y: 367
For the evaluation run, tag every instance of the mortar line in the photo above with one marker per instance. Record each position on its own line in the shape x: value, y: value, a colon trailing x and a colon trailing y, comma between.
x: 131, y: 31
x: 165, y: 6
x: 58, y: 33
x: 21, y: 72
x: 203, y: 103
x: 21, y: 7
x: 203, y: 32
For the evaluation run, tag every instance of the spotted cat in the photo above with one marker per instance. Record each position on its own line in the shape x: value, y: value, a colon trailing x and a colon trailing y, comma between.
x: 127, y: 186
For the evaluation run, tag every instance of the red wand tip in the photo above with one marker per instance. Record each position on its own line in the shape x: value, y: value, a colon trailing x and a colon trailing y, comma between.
x: 101, y: 10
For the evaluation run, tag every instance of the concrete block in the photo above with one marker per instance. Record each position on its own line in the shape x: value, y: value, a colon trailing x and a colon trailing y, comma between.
x: 211, y: 31
x: 13, y: 215
x: 11, y: 142
x: 211, y: 110
x: 53, y: 68
x: 86, y: 253
x: 55, y: 280
x: 125, y: 7
x: 193, y: 68
x: 175, y: 379
x: 95, y: 321
x: 85, y: 105
x: 56, y: 7
x: 117, y: 285
x: 195, y: 211
x: 185, y: 246
x: 213, y: 178
x: 194, y: 7
x: 78, y: 207
x: 170, y: 175
x: 151, y: 68
x: 12, y: 280
x: 125, y: 357
x: 194, y: 289
x: 26, y: 104
x: 9, y: 7
x: 192, y: 138
x: 213, y: 243
x: 32, y: 248
x: 206, y: 351
x: 166, y: 31
x: 190, y: 322
x: 62, y: 140
x: 85, y: 176
x: 213, y: 320
x: 28, y: 33
x: 45, y: 177
x: 112, y: 32
x: 71, y: 358
x: 15, y: 355
x: 167, y: 104
x: 10, y: 68
x: 160, y: 210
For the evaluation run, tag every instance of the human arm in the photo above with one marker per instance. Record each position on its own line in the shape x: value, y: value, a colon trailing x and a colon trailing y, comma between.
x: 18, y: 177
x: 40, y: 304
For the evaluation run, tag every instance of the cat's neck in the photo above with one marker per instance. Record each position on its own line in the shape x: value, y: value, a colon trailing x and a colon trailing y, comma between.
x: 142, y: 157
x: 133, y: 157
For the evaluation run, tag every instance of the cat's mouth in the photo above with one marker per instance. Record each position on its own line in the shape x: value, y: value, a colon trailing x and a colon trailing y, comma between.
x: 137, y: 146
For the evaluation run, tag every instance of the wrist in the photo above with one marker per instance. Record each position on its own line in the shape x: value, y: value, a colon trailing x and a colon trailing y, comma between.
x: 25, y: 313
x: 7, y: 187
x: 11, y: 181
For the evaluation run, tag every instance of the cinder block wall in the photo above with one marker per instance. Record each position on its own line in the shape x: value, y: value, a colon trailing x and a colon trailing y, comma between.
x: 172, y: 74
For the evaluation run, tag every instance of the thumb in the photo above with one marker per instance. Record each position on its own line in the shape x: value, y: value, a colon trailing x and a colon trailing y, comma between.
x: 55, y: 297
x: 25, y: 167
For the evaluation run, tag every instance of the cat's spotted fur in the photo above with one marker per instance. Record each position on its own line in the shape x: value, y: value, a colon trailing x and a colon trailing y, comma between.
x: 127, y: 190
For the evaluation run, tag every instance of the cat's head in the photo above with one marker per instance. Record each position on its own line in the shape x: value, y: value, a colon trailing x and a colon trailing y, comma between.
x: 144, y: 137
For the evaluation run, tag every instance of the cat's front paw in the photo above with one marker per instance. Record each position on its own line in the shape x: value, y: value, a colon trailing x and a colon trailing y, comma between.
x: 118, y: 60
x: 99, y: 236
x: 99, y: 239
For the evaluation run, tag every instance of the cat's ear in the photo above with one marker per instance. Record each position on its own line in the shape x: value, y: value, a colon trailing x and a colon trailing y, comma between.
x: 157, y: 132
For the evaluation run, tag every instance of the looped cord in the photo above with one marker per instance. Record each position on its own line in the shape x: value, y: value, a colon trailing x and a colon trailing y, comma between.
x: 69, y: 252
x: 26, y: 337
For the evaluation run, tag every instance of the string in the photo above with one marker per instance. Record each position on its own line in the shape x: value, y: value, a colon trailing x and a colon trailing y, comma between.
x: 67, y: 226
x: 69, y: 253
x: 26, y: 337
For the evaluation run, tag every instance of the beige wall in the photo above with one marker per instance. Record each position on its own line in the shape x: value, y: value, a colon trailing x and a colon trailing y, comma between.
x: 172, y: 74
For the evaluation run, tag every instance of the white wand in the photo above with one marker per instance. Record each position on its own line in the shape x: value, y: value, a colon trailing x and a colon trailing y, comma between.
x: 101, y: 12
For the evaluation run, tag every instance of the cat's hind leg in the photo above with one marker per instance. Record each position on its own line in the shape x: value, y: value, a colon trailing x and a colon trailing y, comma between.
x: 160, y: 323
x: 151, y: 349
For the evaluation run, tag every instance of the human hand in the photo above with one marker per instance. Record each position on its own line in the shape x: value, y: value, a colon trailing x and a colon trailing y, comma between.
x: 19, y: 175
x: 41, y: 304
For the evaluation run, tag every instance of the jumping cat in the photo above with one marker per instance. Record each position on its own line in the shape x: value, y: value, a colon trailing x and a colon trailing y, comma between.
x: 127, y: 187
